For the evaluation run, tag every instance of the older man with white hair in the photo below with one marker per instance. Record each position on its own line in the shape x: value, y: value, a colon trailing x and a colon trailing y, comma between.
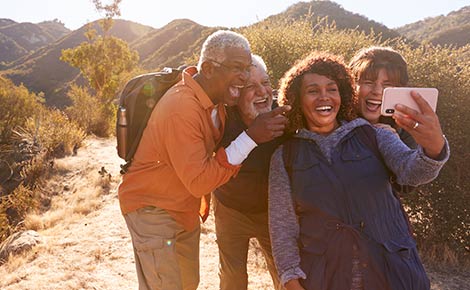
x: 241, y: 205
x: 176, y: 164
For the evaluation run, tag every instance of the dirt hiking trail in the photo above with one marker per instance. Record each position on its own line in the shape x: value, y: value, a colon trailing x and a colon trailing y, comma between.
x: 86, y: 245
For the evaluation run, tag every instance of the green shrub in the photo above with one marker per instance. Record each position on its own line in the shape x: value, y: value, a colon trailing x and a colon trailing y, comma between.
x: 17, y: 103
x: 53, y: 132
x: 441, y: 211
x: 37, y: 137
x: 281, y: 42
x: 88, y: 113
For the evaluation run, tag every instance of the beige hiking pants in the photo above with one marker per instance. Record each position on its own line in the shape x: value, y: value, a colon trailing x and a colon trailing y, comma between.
x: 166, y: 256
x: 234, y: 230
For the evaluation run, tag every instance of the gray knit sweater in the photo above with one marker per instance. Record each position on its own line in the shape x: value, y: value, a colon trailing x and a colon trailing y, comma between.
x: 412, y: 167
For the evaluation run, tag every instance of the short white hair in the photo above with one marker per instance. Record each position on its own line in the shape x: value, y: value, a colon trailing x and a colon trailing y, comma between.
x: 258, y: 61
x: 214, y: 46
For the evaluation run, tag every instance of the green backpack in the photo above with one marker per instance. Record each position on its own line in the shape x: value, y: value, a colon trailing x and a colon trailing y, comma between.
x: 136, y: 103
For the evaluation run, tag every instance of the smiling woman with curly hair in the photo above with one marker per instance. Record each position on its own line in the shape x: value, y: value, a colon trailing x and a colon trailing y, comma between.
x: 328, y: 65
x: 334, y: 221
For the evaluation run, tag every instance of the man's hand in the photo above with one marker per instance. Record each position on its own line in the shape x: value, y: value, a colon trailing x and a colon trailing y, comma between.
x: 269, y: 125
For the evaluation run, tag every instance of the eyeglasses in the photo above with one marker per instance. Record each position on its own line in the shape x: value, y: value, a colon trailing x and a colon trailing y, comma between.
x: 235, y: 69
x: 253, y: 86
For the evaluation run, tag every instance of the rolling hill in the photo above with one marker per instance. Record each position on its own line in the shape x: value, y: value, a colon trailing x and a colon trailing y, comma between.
x: 43, y: 71
x: 19, y: 39
x: 344, y: 19
x: 453, y: 28
x: 171, y: 44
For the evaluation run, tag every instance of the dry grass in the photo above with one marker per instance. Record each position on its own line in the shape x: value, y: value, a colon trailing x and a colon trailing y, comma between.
x: 87, y: 245
x: 440, y: 255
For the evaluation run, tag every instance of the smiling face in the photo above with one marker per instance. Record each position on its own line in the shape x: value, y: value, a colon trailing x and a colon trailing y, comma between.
x: 231, y: 75
x: 257, y: 95
x: 320, y: 103
x: 370, y: 95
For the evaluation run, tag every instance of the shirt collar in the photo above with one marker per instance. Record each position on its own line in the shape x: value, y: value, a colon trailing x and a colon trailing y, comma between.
x: 201, y: 95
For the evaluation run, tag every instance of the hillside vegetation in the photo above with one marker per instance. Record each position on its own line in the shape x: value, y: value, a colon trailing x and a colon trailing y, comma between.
x: 171, y: 45
x: 335, y: 13
x: 43, y: 71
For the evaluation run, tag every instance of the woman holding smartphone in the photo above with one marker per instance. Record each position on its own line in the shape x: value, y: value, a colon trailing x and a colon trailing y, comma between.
x: 333, y: 219
x: 376, y: 68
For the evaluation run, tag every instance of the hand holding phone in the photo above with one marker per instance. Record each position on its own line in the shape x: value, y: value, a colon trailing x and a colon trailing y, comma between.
x: 402, y: 95
x: 422, y: 122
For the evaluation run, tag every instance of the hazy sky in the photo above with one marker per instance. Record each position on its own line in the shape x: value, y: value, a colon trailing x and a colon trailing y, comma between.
x: 234, y: 13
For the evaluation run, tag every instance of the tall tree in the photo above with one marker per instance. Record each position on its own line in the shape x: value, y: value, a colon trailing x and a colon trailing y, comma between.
x: 103, y: 59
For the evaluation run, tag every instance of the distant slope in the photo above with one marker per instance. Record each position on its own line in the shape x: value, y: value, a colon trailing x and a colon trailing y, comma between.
x: 10, y: 50
x: 458, y: 36
x: 453, y: 28
x: 152, y: 41
x: 55, y: 28
x: 171, y: 44
x: 335, y: 12
x: 6, y: 22
x: 43, y: 71
x: 19, y: 39
x: 27, y: 35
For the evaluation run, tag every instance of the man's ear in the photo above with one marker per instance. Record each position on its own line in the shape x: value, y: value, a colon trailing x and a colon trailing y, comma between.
x: 207, y: 69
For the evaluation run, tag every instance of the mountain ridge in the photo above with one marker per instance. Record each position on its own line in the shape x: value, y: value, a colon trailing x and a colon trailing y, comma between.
x: 40, y: 69
x: 434, y: 29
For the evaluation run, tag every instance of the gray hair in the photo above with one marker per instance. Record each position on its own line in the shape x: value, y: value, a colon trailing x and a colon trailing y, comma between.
x: 214, y: 46
x: 258, y: 62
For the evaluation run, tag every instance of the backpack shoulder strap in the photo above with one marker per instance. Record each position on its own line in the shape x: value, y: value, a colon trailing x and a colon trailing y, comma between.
x: 290, y: 148
x: 368, y: 136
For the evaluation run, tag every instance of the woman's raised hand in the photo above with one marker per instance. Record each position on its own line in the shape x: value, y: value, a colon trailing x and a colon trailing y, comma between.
x: 423, y: 126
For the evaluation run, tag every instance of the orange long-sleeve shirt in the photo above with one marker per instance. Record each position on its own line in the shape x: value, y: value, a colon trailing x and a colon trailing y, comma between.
x: 175, y: 163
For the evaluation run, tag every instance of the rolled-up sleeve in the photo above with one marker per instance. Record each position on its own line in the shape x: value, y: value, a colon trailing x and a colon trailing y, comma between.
x: 283, y: 224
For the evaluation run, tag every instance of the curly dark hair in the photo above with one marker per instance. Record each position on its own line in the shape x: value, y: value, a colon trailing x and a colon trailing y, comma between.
x: 325, y: 64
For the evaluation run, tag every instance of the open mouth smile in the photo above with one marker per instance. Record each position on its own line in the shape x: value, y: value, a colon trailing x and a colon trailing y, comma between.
x: 261, y: 101
x: 373, y: 105
x: 324, y: 108
x: 235, y: 90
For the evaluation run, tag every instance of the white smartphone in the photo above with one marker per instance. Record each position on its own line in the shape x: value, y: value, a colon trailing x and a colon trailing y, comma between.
x: 402, y: 95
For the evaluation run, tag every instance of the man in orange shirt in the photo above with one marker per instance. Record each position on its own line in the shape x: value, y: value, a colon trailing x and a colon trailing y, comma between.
x: 175, y: 164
